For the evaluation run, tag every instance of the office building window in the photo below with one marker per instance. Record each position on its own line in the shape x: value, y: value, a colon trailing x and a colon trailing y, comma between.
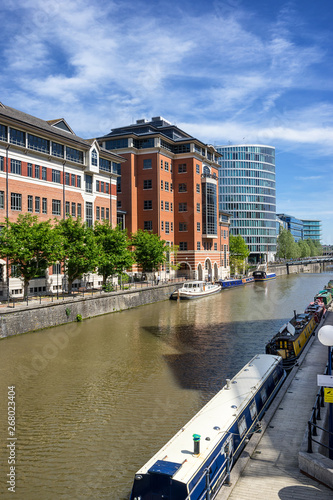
x: 2, y: 168
x: 182, y: 226
x: 148, y: 225
x: 162, y: 185
x: 58, y: 150
x: 37, y: 204
x: 198, y: 188
x: 15, y: 167
x: 44, y: 205
x: 89, y: 213
x: 167, y: 227
x: 183, y: 245
x: 98, y: 216
x: 79, y: 210
x: 29, y: 170
x: 147, y: 163
x: 74, y: 155
x: 2, y: 199
x: 78, y: 181
x: 166, y: 206
x: 67, y: 208
x: 73, y: 180
x: 166, y: 186
x: 198, y: 227
x: 73, y: 209
x: 107, y: 186
x: 37, y: 173
x: 182, y: 207
x: 16, y: 201
x: 44, y: 174
x: 166, y: 166
x: 97, y: 186
x: 198, y: 245
x: 38, y: 143
x: 102, y: 213
x: 67, y: 179
x: 147, y: 205
x: 215, y: 246
x: 162, y: 203
x: 88, y: 181
x: 102, y: 187
x: 107, y: 213
x: 197, y: 168
x: 171, y: 207
x: 56, y: 207
x: 16, y: 137
x: 161, y: 164
x: 94, y: 158
x: 182, y: 168
x: 171, y: 225
x: 182, y: 188
x: 56, y: 268
x: 198, y: 207
x: 30, y: 203
x: 162, y: 225
x: 147, y: 184
x: 55, y: 175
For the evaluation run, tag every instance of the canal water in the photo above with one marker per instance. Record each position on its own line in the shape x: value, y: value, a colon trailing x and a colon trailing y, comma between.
x: 95, y: 400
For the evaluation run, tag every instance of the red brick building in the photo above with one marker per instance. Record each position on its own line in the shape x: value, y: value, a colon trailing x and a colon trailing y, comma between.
x: 46, y: 169
x: 169, y: 185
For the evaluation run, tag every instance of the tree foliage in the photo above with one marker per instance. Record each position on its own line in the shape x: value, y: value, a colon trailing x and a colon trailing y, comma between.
x: 287, y: 248
x: 150, y: 252
x: 81, y: 249
x: 238, y: 251
x: 31, y: 246
x: 115, y: 255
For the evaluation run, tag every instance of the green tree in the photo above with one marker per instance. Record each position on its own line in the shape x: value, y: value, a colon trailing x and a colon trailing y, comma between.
x: 305, y: 250
x: 238, y: 251
x: 115, y: 255
x: 286, y: 245
x: 31, y: 246
x: 80, y: 247
x: 150, y: 252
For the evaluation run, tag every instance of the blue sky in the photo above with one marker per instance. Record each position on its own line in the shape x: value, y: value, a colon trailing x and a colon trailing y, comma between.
x: 226, y: 71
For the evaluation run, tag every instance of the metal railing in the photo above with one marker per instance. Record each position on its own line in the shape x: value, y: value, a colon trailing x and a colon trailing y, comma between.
x: 313, y: 427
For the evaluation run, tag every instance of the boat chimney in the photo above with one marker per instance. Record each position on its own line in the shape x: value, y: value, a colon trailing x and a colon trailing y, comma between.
x: 295, y: 314
x: 196, y: 443
x: 228, y: 383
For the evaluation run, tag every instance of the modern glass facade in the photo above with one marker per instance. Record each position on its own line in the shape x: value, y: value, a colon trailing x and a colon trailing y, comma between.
x: 312, y: 229
x: 247, y: 191
x: 295, y: 226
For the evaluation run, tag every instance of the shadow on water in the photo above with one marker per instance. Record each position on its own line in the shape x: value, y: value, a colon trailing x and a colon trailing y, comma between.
x: 206, y: 356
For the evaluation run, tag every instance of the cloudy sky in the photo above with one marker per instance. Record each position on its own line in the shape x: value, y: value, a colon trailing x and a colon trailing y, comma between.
x: 226, y: 71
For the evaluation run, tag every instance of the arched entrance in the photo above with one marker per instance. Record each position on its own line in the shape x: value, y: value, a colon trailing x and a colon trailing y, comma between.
x: 199, y: 272
x: 184, y: 271
x: 216, y: 272
x: 208, y: 270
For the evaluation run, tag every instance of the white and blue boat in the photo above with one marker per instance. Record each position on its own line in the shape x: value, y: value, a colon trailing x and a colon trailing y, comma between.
x: 197, y: 460
x: 195, y: 290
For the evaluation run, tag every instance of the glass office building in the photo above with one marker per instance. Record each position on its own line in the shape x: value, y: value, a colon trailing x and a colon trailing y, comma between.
x: 312, y: 229
x: 247, y: 191
x: 295, y: 226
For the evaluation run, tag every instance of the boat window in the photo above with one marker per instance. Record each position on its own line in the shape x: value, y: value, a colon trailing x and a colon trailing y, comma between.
x: 275, y: 377
x: 242, y: 428
x: 263, y: 395
x: 253, y: 410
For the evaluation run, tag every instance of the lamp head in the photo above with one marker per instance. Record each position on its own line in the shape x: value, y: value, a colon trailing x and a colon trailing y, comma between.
x: 325, y: 335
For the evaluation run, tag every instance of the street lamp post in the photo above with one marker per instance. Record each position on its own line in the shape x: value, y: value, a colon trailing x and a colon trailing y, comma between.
x: 325, y: 336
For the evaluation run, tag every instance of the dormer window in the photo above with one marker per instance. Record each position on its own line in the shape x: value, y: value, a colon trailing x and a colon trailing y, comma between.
x: 94, y: 158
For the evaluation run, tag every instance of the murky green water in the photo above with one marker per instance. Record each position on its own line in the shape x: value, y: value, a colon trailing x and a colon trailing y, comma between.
x: 95, y: 400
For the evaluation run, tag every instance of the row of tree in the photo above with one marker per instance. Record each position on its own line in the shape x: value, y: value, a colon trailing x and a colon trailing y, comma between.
x: 33, y: 246
x: 287, y: 248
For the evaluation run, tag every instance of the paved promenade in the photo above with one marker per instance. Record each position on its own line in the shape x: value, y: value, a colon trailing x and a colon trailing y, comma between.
x: 271, y: 458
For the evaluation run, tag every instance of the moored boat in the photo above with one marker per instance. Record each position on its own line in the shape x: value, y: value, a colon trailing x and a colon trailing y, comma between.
x: 234, y: 282
x: 195, y: 462
x: 293, y: 336
x: 195, y: 290
x: 263, y: 276
x: 324, y: 296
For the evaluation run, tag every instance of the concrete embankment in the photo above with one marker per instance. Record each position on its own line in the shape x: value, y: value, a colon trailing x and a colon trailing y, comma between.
x: 23, y: 319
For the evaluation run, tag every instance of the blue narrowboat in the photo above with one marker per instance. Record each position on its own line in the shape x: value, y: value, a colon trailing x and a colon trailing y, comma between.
x: 196, y: 461
x: 234, y: 282
x: 263, y: 276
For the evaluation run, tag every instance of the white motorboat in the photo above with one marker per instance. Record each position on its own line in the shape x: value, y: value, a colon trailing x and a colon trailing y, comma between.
x: 195, y: 290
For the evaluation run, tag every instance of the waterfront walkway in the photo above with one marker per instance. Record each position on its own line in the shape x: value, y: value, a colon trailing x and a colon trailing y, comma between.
x: 271, y: 471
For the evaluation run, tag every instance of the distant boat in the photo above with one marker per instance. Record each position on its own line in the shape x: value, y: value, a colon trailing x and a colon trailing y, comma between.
x: 233, y: 282
x: 263, y: 276
x: 195, y: 290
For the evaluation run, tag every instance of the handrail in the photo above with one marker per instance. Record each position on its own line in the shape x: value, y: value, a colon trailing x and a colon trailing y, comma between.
x: 315, y: 415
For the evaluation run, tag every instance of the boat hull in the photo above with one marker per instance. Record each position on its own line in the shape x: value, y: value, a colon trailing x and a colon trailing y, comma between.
x: 188, y: 296
x: 264, y: 277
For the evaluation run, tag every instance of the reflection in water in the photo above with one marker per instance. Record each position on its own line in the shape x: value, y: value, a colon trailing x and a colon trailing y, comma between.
x: 96, y: 399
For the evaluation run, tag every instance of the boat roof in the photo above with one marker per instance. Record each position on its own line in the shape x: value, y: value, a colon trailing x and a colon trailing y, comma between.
x: 212, y: 422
